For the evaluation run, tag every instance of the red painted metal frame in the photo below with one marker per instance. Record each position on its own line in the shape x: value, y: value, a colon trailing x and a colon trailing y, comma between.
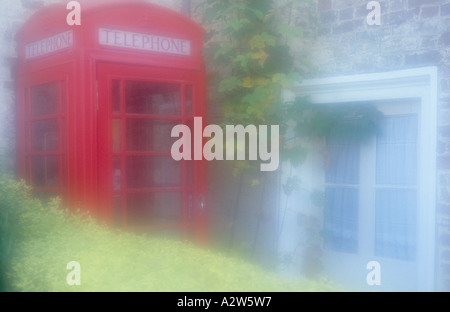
x: 61, y: 75
x: 86, y: 69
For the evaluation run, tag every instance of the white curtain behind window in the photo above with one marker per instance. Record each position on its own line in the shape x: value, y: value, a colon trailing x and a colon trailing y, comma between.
x: 341, y: 191
x: 394, y: 186
x: 396, y: 191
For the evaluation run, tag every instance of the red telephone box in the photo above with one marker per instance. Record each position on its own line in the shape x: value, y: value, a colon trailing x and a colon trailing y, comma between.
x: 96, y: 105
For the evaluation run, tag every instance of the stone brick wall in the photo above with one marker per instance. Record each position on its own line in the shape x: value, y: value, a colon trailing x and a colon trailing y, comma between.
x: 413, y: 33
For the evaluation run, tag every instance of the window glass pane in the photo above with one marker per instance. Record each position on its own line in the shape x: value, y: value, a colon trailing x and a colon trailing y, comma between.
x: 150, y: 135
x: 44, y: 135
x: 395, y: 223
x: 341, y: 219
x: 397, y: 150
x: 188, y: 100
x: 190, y: 202
x: 117, y: 173
x: 115, y: 96
x: 343, y: 161
x: 44, y: 99
x: 63, y: 97
x: 63, y: 134
x: 63, y: 178
x: 28, y: 169
x: 148, y: 172
x: 45, y: 171
x: 189, y: 173
x: 117, y: 135
x: 117, y: 209
x: 27, y: 103
x: 152, y: 98
x: 154, y: 208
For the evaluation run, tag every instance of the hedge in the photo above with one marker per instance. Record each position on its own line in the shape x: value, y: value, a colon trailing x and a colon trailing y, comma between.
x: 40, y: 239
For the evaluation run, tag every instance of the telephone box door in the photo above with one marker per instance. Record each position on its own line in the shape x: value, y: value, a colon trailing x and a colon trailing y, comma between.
x: 42, y: 132
x: 141, y: 185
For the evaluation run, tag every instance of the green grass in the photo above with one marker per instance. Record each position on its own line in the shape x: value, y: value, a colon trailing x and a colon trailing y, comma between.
x: 46, y: 239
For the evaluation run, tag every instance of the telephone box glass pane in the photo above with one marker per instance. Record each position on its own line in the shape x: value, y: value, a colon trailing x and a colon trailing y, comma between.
x: 117, y: 174
x: 45, y: 171
x: 117, y: 208
x: 62, y: 182
x: 189, y: 173
x: 190, y: 206
x: 63, y: 134
x: 151, y: 98
x: 149, y: 135
x: 150, y: 172
x: 44, y: 99
x: 63, y: 97
x: 115, y: 96
x: 116, y: 135
x: 45, y: 135
x: 188, y: 100
x: 154, y: 208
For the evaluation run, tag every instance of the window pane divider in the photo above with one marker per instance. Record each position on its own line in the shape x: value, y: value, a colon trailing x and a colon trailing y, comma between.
x: 142, y: 154
x: 49, y: 189
x: 46, y: 117
x: 151, y: 190
x: 47, y: 153
x: 342, y: 185
x: 394, y: 186
x: 150, y: 117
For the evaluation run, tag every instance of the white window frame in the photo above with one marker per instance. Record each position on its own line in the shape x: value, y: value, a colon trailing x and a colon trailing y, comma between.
x: 419, y: 84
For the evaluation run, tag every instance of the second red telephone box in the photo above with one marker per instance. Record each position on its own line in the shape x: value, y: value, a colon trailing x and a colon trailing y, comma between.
x: 96, y: 106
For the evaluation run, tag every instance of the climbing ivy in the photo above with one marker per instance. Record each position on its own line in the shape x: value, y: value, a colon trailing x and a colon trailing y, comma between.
x: 250, y: 63
x: 250, y: 60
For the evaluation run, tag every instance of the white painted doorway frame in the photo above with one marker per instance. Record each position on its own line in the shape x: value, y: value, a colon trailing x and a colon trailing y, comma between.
x: 419, y: 84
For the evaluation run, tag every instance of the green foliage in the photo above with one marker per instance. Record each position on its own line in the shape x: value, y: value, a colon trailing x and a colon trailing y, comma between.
x: 46, y: 239
x: 13, y: 196
x: 247, y: 51
x: 249, y: 55
x: 347, y: 121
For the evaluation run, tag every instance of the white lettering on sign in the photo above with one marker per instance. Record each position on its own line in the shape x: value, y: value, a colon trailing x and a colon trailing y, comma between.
x: 132, y: 40
x: 48, y: 45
